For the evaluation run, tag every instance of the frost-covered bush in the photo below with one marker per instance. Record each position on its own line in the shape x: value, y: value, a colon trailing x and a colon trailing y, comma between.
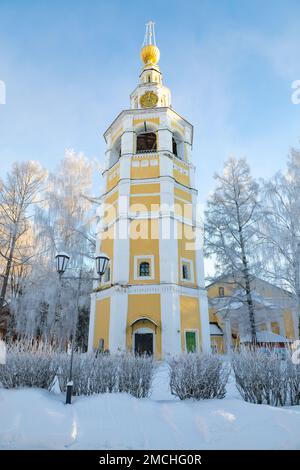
x: 33, y: 364
x: 105, y: 373
x: 198, y: 376
x: 292, y: 375
x: 91, y: 373
x: 28, y: 364
x: 135, y: 374
x: 263, y: 377
x: 82, y: 370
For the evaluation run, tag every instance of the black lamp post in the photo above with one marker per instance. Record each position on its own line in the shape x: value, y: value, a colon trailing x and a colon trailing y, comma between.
x: 62, y: 260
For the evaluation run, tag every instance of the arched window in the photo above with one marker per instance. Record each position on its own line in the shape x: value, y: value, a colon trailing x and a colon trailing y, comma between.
x: 144, y: 270
x: 178, y: 146
x: 115, y: 152
x: 146, y: 142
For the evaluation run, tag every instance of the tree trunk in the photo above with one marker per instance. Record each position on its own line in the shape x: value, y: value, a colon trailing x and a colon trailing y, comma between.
x: 247, y: 280
x: 7, y: 272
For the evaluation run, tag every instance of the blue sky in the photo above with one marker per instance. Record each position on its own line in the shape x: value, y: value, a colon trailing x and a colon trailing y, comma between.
x: 70, y: 66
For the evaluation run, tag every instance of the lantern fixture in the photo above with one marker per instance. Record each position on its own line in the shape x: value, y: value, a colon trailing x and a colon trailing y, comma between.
x: 62, y: 260
x: 102, y: 261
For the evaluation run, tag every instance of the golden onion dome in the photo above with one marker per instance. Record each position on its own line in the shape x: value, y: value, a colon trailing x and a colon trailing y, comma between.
x: 150, y: 54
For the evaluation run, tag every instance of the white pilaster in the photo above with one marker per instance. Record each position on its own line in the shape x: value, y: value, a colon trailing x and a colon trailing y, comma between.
x: 170, y: 323
x: 204, y: 321
x: 127, y: 140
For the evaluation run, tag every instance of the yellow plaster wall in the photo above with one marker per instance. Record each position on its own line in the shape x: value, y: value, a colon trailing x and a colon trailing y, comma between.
x: 182, y: 194
x: 101, y: 329
x: 116, y: 135
x: 189, y: 318
x: 180, y: 177
x: 218, y: 342
x: 185, y: 241
x: 183, y: 209
x: 289, y: 324
x: 145, y: 172
x: 111, y: 183
x: 212, y: 315
x: 144, y: 203
x: 144, y: 305
x: 149, y: 245
x: 145, y: 188
x: 138, y: 121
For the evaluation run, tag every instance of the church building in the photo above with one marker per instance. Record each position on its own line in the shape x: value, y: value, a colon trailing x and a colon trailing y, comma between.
x: 152, y: 298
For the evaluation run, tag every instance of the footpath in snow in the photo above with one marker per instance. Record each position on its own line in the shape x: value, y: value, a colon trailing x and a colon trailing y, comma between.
x: 37, y: 419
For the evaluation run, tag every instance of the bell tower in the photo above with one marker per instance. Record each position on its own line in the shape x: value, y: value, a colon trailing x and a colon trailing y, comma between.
x: 152, y: 298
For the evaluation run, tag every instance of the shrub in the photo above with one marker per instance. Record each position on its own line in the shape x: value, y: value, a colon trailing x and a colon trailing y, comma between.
x: 105, y: 373
x: 135, y: 374
x: 265, y: 378
x: 33, y: 364
x: 28, y: 364
x: 198, y: 376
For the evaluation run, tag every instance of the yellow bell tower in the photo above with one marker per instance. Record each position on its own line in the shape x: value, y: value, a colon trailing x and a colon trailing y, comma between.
x: 152, y: 298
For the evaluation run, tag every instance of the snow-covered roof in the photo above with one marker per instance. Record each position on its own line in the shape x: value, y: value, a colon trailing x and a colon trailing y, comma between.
x: 267, y: 337
x: 215, y: 330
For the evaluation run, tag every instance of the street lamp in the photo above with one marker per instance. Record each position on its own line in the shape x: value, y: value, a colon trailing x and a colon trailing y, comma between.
x: 102, y: 261
x: 62, y: 260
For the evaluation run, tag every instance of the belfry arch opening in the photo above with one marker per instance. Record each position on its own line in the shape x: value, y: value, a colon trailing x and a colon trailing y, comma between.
x: 177, y: 146
x: 146, y: 142
x: 115, y: 152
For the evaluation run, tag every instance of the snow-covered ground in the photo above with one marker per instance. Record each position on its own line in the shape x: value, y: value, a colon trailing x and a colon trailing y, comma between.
x: 37, y: 419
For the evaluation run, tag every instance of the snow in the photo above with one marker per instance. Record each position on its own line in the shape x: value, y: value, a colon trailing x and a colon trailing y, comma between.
x: 215, y: 330
x: 37, y: 419
x: 267, y: 337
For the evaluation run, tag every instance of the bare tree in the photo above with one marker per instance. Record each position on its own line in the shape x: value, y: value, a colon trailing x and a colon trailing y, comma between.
x: 18, y: 193
x: 230, y: 230
x: 64, y: 221
x: 280, y: 228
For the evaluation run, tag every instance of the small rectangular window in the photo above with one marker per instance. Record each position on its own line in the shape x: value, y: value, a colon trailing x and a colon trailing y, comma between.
x: 144, y: 267
x: 221, y: 292
x: 185, y: 272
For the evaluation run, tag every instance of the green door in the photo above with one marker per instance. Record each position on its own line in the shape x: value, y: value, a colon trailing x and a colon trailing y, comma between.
x: 190, y: 341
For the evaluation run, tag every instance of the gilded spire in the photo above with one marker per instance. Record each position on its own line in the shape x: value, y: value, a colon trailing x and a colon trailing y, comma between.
x: 150, y: 52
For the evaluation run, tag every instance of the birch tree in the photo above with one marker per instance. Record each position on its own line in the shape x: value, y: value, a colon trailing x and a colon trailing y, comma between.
x: 280, y: 228
x: 18, y: 194
x: 64, y: 222
x: 230, y: 229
